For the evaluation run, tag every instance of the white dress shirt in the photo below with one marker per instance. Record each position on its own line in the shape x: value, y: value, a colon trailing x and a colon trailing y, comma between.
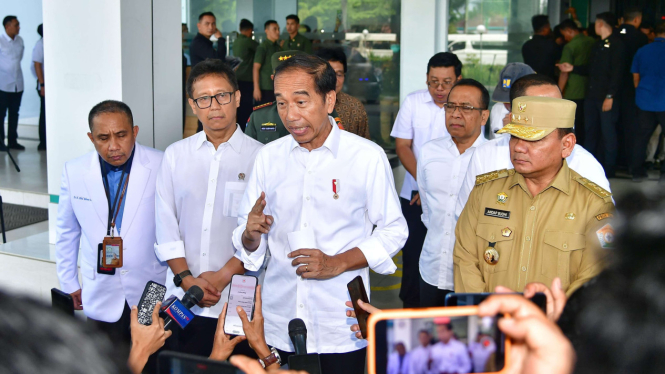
x: 38, y: 56
x: 197, y: 196
x: 419, y: 359
x: 497, y: 114
x: 299, y: 195
x: 397, y: 366
x: 450, y: 358
x: 481, y: 353
x: 495, y: 155
x: 441, y: 172
x: 11, y: 54
x: 420, y: 120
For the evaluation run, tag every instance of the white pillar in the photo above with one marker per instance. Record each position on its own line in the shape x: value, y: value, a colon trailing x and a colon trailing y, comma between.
x: 127, y: 50
x: 417, y: 44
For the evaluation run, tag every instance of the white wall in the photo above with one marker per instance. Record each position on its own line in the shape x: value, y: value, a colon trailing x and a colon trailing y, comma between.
x: 29, y: 13
x: 417, y: 44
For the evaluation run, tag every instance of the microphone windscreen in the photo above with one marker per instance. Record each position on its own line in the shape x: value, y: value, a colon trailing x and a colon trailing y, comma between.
x: 196, y: 293
x: 297, y: 326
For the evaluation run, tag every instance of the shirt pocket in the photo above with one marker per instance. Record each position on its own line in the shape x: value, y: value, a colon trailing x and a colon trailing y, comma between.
x: 233, y: 192
x: 556, y: 253
x: 490, y: 233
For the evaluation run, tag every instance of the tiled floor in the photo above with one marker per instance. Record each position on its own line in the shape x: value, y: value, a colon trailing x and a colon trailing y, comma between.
x: 32, y: 163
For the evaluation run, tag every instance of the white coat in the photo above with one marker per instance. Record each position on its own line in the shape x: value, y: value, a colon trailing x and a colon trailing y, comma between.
x: 82, y: 221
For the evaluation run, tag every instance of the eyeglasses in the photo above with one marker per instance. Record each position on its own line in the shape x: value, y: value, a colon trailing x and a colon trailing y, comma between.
x: 436, y: 84
x: 205, y: 102
x: 466, y: 109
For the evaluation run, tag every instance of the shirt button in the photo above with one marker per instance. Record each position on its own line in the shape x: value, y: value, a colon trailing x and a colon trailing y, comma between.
x: 123, y: 272
x: 301, y: 306
x: 447, y: 233
x: 204, y: 254
x: 209, y: 204
x: 523, y: 268
x: 528, y: 238
x: 533, y: 208
x: 304, y: 224
x: 206, y: 229
x: 213, y: 180
x: 448, y: 214
x: 451, y: 195
x: 309, y: 172
x: 307, y: 198
x: 565, y: 246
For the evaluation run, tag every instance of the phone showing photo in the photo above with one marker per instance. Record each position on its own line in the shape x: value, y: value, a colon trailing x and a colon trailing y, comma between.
x: 436, y: 340
x: 242, y: 293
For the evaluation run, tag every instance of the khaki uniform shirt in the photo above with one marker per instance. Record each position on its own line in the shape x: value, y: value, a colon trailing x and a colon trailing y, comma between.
x: 561, y: 232
x: 298, y: 43
x: 265, y: 125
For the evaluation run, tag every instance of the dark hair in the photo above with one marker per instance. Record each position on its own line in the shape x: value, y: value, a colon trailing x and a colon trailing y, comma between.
x: 210, y: 66
x: 608, y: 17
x: 7, y: 20
x: 564, y: 132
x: 211, y: 14
x: 445, y: 59
x: 424, y: 331
x: 468, y: 82
x: 591, y: 30
x: 293, y: 17
x: 539, y: 21
x: 568, y: 24
x: 631, y: 13
x: 269, y: 22
x: 246, y: 24
x: 38, y: 339
x: 324, y: 76
x: 660, y: 28
x: 110, y: 106
x: 520, y: 86
x: 40, y: 30
x: 448, y: 326
x: 333, y: 54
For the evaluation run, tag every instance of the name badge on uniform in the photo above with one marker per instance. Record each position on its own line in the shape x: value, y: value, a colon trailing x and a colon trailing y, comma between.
x: 269, y: 126
x: 112, y: 252
x: 497, y: 213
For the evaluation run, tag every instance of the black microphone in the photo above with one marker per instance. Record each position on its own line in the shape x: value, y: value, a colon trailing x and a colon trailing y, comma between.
x: 173, y: 310
x: 298, y: 334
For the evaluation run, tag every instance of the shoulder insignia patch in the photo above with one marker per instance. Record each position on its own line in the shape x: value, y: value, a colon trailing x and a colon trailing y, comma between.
x: 263, y: 105
x: 596, y: 189
x: 493, y: 175
x: 602, y: 216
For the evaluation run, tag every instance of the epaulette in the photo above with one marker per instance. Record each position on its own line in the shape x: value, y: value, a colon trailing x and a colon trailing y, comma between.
x: 263, y: 105
x: 596, y: 189
x: 493, y: 175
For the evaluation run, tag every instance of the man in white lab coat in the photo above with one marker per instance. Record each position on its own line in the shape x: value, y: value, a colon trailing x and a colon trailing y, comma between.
x: 97, y: 193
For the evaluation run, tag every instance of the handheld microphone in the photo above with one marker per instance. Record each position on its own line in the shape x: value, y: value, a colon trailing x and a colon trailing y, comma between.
x: 298, y: 335
x: 175, y: 311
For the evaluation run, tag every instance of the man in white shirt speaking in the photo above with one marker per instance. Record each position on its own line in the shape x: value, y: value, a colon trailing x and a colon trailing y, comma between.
x: 313, y: 199
x: 420, y: 119
x: 441, y: 170
x: 200, y: 183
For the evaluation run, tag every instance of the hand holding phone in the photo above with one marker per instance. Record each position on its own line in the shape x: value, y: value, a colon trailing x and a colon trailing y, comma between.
x: 357, y: 292
x: 242, y: 293
x: 152, y: 294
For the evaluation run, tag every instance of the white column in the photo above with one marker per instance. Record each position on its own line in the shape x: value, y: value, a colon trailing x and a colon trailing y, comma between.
x: 441, y: 26
x: 417, y: 44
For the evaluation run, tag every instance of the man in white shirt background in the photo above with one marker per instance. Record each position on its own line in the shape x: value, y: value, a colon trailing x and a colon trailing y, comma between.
x: 420, y: 119
x: 441, y: 169
x: 499, y: 113
x: 199, y: 186
x: 11, y: 81
x: 495, y: 154
x: 323, y: 201
x: 398, y: 361
x: 37, y: 69
x: 419, y: 357
x: 449, y: 355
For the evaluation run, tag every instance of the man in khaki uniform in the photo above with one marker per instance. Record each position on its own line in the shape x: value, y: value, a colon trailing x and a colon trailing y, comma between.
x: 538, y: 221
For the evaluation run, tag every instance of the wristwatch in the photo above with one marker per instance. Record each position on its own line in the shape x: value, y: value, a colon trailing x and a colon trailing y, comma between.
x: 274, y: 357
x: 177, y: 279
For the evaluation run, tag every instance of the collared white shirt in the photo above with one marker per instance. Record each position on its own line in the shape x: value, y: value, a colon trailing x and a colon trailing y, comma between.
x: 495, y: 155
x: 397, y: 365
x: 497, y: 114
x: 450, y: 358
x: 419, y: 359
x: 38, y: 56
x: 197, y: 195
x: 11, y: 54
x: 481, y: 353
x: 299, y: 195
x: 420, y: 120
x: 441, y: 172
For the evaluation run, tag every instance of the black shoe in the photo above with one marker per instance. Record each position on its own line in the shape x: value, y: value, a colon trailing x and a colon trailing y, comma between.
x: 16, y: 146
x: 649, y: 165
x: 41, y: 147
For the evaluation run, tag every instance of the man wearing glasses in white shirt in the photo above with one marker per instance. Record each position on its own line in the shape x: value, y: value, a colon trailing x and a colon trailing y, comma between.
x: 201, y: 181
x: 420, y: 119
x: 441, y: 170
x: 314, y: 199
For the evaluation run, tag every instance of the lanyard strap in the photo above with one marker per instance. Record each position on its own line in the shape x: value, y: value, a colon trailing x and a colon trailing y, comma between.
x: 114, y: 208
x: 117, y: 209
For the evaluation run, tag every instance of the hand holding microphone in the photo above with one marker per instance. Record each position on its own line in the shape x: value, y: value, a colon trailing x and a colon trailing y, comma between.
x: 146, y: 340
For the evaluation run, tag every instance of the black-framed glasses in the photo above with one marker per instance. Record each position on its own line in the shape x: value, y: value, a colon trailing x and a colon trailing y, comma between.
x: 445, y: 84
x: 466, y: 109
x: 205, y: 102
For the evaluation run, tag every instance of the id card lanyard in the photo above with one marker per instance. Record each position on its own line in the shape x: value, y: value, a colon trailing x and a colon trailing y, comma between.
x: 117, y: 202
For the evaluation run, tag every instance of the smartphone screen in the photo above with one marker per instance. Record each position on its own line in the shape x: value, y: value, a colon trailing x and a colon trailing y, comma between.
x: 152, y: 294
x: 357, y: 291
x: 242, y: 294
x: 462, y: 344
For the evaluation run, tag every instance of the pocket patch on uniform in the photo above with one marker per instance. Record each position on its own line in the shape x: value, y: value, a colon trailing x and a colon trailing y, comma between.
x: 504, y: 214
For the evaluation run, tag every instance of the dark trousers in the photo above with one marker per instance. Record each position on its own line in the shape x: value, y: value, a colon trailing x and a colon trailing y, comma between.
x: 601, y: 133
x: 198, y: 338
x: 9, y: 101
x: 246, y: 102
x: 42, y: 119
x: 579, y: 122
x: 647, y: 123
x: 627, y: 124
x: 410, y: 291
x: 336, y: 363
x: 432, y: 296
x: 267, y: 96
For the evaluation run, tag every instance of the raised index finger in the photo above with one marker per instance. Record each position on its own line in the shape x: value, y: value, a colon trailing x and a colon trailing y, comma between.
x: 260, y: 204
